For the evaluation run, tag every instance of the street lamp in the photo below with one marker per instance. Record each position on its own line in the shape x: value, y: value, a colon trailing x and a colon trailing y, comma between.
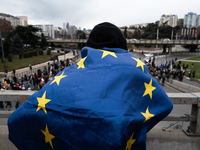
x: 157, y: 40
x: 3, y: 54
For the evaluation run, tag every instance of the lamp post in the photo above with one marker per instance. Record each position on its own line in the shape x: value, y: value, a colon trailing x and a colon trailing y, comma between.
x: 3, y: 54
x: 157, y: 40
x: 64, y: 47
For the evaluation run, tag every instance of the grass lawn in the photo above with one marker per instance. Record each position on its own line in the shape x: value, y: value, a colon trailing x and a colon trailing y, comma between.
x: 24, y: 62
x: 196, y: 66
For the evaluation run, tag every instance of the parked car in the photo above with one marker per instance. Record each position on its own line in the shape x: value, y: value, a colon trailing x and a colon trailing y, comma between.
x: 166, y: 39
x: 148, y: 54
x: 142, y: 39
x: 133, y: 39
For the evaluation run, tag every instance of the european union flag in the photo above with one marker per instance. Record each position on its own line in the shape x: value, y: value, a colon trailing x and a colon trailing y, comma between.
x: 108, y: 100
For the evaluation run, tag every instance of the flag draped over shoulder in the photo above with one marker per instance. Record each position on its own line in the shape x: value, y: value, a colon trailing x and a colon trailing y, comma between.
x: 108, y: 100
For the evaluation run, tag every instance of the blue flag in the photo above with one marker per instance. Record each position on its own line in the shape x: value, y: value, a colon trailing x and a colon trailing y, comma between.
x: 108, y: 100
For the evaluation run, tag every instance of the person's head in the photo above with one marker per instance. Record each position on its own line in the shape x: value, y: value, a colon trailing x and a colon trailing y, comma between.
x: 106, y: 35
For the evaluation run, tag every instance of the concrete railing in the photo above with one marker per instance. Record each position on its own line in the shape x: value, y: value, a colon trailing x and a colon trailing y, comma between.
x: 156, y: 138
x: 181, y: 86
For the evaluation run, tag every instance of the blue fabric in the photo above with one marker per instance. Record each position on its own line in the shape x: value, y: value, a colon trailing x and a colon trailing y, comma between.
x: 105, y: 101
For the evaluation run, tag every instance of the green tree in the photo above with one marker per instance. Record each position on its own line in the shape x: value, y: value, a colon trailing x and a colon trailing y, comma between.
x: 27, y: 34
x: 43, y: 42
x: 17, y: 45
x: 80, y: 34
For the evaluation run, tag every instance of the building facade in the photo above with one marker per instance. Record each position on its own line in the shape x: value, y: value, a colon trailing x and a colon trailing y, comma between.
x: 139, y: 25
x: 23, y: 20
x: 47, y: 30
x: 191, y: 20
x: 14, y: 20
x: 72, y: 30
x: 170, y: 20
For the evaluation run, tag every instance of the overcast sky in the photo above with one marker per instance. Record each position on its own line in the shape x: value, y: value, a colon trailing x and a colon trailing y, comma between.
x: 88, y: 13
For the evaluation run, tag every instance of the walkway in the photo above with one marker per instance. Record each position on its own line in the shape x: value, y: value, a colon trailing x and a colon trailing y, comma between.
x: 20, y: 72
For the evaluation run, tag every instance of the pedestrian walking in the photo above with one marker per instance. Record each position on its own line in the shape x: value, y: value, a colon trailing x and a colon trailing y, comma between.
x: 192, y: 65
x: 30, y: 66
x: 189, y: 73
x: 14, y: 71
x: 193, y: 73
x: 1, y: 106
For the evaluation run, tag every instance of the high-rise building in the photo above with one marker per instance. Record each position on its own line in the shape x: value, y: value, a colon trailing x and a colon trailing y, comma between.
x: 180, y: 22
x: 23, y: 20
x: 170, y: 20
x: 14, y: 20
x: 191, y: 20
x: 50, y: 30
x: 72, y: 30
x: 65, y: 26
x: 47, y: 30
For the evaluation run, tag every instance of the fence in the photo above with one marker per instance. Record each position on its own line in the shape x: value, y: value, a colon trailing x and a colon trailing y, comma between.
x: 176, y: 98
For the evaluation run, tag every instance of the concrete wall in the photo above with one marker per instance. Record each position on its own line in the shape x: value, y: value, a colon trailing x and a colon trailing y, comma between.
x: 157, y: 139
x: 186, y: 88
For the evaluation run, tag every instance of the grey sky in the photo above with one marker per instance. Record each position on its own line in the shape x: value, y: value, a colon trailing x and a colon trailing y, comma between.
x: 88, y: 13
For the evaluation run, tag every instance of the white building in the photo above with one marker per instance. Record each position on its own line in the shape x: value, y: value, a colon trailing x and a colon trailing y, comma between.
x: 23, y: 20
x: 191, y: 20
x: 14, y: 20
x: 47, y: 30
x: 170, y: 20
x: 139, y: 25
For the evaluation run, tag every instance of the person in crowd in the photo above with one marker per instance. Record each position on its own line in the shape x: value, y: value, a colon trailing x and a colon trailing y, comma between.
x: 6, y: 86
x: 14, y: 71
x: 1, y: 106
x: 189, y: 73
x: 107, y: 100
x: 193, y: 73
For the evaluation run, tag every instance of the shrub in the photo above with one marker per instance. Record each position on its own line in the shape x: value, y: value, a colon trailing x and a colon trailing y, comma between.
x: 40, y: 52
x: 48, y: 52
x: 30, y: 54
x: 26, y: 55
x: 35, y: 53
x: 20, y: 56
x: 10, y: 58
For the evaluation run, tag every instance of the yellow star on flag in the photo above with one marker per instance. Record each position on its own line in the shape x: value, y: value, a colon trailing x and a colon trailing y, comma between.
x: 58, y: 78
x: 149, y: 89
x: 130, y: 142
x: 81, y: 63
x: 139, y: 63
x: 48, y: 136
x: 42, y: 102
x: 105, y: 53
x: 147, y: 115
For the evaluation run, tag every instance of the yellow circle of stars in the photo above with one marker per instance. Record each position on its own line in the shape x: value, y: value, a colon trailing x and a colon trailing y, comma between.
x: 147, y: 115
x: 42, y: 102
x: 105, y: 53
x: 139, y: 63
x: 81, y: 63
x: 48, y: 136
x: 149, y: 89
x: 58, y: 78
x: 130, y: 142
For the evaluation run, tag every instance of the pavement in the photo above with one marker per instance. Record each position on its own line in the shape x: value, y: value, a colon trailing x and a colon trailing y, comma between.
x: 27, y: 71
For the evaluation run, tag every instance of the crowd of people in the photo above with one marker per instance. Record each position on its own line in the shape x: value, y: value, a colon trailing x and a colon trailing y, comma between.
x: 169, y: 70
x: 35, y: 81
